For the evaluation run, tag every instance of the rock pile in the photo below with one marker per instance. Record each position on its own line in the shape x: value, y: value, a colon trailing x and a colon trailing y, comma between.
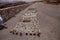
x: 28, y: 25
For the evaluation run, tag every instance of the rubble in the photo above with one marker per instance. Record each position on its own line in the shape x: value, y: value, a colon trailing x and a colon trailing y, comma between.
x: 28, y: 24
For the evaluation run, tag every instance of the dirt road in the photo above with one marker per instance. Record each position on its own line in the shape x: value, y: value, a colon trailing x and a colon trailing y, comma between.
x: 49, y: 19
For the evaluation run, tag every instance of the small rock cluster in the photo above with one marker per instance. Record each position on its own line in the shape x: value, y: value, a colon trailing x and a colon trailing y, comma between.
x: 28, y: 25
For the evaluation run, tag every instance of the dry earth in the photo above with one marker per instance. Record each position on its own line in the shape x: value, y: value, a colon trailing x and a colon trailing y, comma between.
x: 49, y: 19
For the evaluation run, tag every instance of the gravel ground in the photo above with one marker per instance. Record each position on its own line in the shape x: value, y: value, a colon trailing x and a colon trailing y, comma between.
x: 49, y: 19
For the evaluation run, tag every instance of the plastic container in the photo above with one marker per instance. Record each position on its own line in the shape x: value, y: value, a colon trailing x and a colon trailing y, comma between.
x: 1, y: 20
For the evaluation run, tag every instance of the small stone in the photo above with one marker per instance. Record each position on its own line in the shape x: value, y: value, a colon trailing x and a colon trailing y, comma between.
x: 34, y: 34
x: 20, y: 34
x: 17, y: 33
x: 11, y: 31
x: 38, y: 34
x: 26, y: 33
x: 30, y: 33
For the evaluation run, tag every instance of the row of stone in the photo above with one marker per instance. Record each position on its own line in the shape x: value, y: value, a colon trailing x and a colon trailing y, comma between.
x: 21, y: 34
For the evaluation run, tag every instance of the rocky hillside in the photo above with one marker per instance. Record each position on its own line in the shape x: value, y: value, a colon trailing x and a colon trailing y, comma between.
x: 9, y: 10
x: 52, y: 1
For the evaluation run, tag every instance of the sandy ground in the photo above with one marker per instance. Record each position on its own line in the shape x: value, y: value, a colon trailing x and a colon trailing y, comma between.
x: 49, y: 19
